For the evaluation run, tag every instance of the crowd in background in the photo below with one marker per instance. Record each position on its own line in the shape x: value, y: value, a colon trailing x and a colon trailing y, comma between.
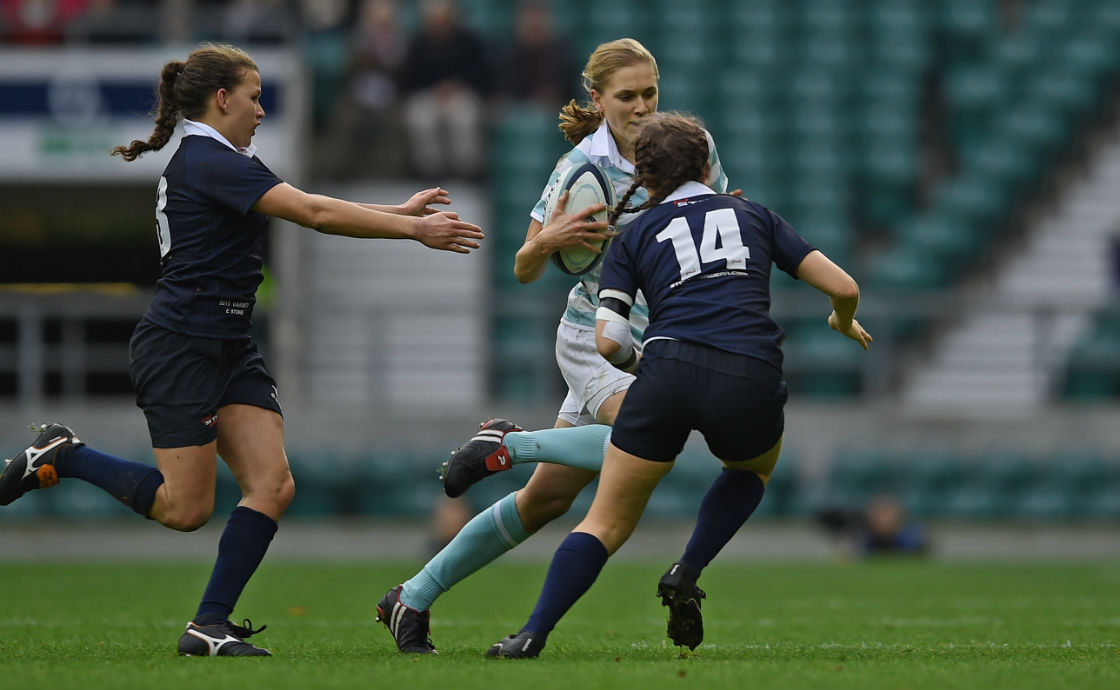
x: 396, y: 89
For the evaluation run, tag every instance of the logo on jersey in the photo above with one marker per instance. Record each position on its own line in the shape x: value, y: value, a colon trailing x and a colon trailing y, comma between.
x: 210, y: 420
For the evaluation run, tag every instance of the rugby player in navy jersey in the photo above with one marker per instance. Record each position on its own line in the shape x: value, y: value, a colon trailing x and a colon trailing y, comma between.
x: 621, y: 79
x: 711, y: 360
x: 199, y: 378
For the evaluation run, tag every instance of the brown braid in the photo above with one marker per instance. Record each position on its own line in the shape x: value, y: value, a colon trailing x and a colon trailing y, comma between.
x: 671, y: 149
x: 578, y: 121
x: 185, y: 89
x: 620, y: 207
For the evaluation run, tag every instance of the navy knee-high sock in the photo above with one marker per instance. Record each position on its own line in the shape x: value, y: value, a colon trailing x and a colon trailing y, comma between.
x: 132, y: 483
x: 730, y: 500
x: 576, y: 564
x: 241, y: 549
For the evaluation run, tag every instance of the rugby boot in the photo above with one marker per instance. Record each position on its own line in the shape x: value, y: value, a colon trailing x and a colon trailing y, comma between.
x: 478, y: 458
x: 220, y: 639
x: 409, y: 627
x: 34, y: 467
x: 679, y: 592
x: 523, y: 645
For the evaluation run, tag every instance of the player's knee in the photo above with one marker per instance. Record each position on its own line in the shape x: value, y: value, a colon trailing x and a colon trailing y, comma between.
x: 285, y: 492
x: 542, y: 505
x: 275, y: 496
x: 188, y: 518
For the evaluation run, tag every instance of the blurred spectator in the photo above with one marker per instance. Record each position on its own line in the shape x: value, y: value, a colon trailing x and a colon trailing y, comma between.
x: 366, y: 137
x: 443, y: 80
x: 175, y: 21
x: 326, y: 45
x: 263, y: 22
x: 37, y: 22
x: 538, y: 64
x: 118, y: 22
x: 882, y: 527
x: 376, y: 53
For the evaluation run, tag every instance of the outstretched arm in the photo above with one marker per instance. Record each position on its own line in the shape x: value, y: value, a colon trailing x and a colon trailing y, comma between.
x: 442, y: 230
x: 419, y: 204
x: 818, y: 270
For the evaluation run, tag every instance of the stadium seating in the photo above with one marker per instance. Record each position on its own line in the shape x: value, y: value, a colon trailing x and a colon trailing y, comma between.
x: 525, y: 144
x: 1071, y: 485
x: 819, y: 111
x: 1092, y: 372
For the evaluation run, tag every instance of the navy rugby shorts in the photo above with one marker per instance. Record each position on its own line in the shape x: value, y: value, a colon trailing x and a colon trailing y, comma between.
x: 736, y: 402
x: 182, y: 380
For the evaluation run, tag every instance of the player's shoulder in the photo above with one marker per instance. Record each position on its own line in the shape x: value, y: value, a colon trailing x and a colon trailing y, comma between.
x: 571, y: 159
x: 564, y: 163
x: 197, y: 143
x: 197, y: 151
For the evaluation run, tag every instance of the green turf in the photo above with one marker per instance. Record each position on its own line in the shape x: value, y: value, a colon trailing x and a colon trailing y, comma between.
x: 888, y: 624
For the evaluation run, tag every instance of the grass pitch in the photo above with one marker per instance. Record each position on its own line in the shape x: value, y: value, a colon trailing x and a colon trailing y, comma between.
x: 877, y: 624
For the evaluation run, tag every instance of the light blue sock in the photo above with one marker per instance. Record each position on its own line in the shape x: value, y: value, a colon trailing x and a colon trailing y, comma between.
x: 487, y: 536
x: 582, y: 447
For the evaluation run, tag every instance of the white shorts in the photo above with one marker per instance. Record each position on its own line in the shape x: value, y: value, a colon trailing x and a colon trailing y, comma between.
x: 591, y: 379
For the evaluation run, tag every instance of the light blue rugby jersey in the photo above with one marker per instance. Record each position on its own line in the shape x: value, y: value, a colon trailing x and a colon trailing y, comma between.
x: 600, y: 149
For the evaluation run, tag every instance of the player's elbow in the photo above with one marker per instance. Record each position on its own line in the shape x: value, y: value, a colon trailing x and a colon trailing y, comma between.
x: 525, y: 269
x: 847, y: 290
x: 317, y: 215
x: 524, y: 277
x: 294, y: 205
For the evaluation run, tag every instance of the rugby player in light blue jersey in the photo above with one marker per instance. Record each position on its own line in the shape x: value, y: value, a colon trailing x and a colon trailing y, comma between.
x: 621, y: 78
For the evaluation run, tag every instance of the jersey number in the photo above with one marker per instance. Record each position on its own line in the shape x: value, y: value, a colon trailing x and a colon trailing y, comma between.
x: 163, y: 230
x: 721, y: 222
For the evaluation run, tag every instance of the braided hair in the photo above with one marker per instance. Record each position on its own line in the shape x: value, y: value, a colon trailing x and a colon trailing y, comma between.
x: 185, y: 88
x: 577, y: 121
x: 671, y: 149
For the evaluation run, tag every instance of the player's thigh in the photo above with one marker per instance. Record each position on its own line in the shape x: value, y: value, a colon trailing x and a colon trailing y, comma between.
x: 608, y: 411
x: 625, y: 485
x: 251, y: 427
x: 655, y: 416
x: 179, y: 381
x: 251, y: 442
x: 742, y: 416
x: 592, y: 380
x: 190, y: 475
x: 762, y: 465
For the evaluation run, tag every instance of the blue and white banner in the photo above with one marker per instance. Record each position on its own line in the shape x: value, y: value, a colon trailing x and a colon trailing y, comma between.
x: 62, y: 110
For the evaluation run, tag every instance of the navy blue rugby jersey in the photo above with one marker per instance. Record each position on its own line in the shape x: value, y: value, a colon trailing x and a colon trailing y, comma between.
x: 703, y: 261
x: 210, y: 242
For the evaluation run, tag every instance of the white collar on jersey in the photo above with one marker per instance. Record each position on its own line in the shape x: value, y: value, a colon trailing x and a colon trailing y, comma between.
x: 603, y: 146
x: 691, y: 188
x: 203, y: 129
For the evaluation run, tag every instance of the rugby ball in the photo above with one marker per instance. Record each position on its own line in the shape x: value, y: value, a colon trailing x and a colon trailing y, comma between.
x: 587, y: 185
